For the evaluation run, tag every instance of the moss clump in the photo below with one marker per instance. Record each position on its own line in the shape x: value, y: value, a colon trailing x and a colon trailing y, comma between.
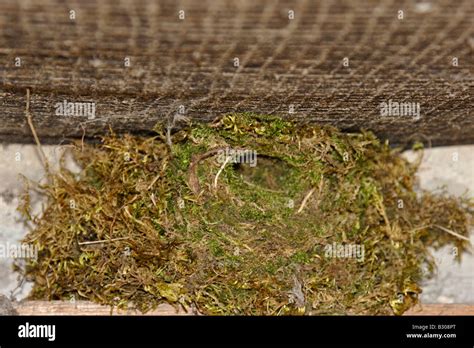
x: 324, y: 223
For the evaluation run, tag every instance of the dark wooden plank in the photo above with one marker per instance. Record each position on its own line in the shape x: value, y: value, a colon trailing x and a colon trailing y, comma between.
x: 282, y: 62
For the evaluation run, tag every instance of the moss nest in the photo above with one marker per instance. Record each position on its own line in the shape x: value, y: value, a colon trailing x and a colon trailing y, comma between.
x: 250, y: 215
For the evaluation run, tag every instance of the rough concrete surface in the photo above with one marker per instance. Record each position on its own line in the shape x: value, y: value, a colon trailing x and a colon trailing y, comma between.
x: 452, y: 167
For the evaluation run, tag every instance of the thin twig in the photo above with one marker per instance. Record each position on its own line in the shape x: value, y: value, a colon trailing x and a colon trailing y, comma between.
x: 451, y: 232
x: 420, y: 228
x: 102, y: 241
x: 443, y: 229
x: 308, y: 195
x: 221, y: 169
x: 303, y: 204
x: 153, y: 182
x: 30, y: 123
x: 195, y: 159
x: 82, y: 139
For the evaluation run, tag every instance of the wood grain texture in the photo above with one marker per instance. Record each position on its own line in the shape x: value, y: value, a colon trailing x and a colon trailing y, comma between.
x: 86, y: 308
x: 89, y: 308
x: 283, y: 62
x: 442, y: 309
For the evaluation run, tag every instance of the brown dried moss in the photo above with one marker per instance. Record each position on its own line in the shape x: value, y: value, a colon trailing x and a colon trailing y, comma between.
x: 146, y: 223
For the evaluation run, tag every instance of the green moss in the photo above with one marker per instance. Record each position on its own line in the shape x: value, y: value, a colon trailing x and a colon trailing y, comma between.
x: 155, y: 223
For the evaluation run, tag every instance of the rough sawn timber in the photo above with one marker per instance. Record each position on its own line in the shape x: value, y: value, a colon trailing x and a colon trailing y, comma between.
x: 283, y: 63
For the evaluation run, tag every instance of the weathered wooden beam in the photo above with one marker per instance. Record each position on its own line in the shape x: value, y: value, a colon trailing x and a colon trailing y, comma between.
x: 331, y: 62
x: 89, y: 308
x: 86, y: 308
x: 441, y: 309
